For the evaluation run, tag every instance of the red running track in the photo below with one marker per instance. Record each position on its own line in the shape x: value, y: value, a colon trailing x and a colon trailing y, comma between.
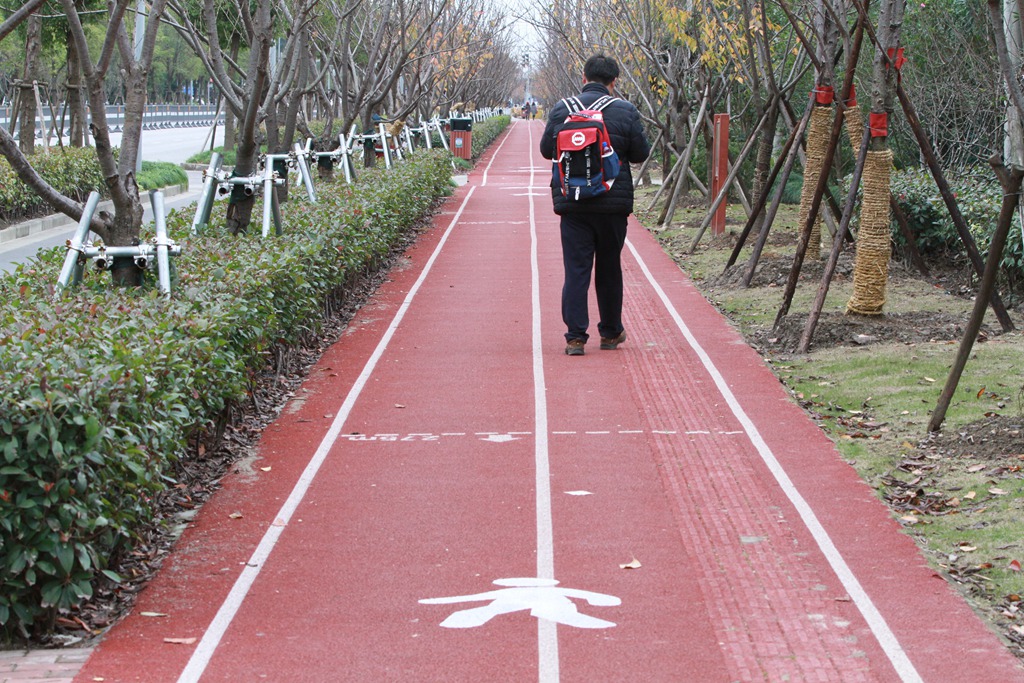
x: 451, y: 498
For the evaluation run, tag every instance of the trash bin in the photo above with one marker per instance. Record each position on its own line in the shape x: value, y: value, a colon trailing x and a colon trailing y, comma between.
x: 461, y: 141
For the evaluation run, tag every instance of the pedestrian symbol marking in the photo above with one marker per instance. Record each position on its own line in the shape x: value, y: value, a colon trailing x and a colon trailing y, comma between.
x: 542, y: 597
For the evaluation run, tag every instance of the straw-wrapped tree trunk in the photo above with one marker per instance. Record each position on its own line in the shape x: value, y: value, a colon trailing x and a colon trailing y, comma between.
x: 871, y: 267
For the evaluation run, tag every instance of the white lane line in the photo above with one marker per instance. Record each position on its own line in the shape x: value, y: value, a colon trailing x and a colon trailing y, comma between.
x: 211, y: 639
x: 876, y: 622
x: 487, y: 170
x: 547, y: 631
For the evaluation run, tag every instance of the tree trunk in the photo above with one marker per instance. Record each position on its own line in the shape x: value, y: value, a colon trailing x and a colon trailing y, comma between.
x: 76, y: 103
x: 871, y: 263
x: 1013, y: 143
x: 763, y: 162
x: 33, y: 48
x: 230, y: 121
x: 240, y: 206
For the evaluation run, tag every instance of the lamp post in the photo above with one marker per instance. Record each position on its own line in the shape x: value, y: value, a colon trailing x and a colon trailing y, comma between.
x: 526, y: 73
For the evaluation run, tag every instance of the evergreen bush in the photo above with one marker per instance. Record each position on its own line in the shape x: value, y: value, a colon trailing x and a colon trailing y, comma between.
x: 104, y: 387
x: 72, y: 171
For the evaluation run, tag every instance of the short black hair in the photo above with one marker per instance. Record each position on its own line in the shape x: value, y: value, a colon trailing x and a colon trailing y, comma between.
x: 601, y: 68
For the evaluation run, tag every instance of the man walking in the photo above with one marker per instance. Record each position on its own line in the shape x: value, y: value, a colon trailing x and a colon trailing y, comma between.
x: 594, y: 229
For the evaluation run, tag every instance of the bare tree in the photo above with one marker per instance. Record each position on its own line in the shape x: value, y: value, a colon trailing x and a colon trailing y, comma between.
x: 124, y: 225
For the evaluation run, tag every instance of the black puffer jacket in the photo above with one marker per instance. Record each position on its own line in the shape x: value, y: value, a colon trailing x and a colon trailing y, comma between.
x: 627, y: 134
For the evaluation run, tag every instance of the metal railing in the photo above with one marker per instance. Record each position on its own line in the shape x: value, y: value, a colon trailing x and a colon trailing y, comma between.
x: 156, y: 116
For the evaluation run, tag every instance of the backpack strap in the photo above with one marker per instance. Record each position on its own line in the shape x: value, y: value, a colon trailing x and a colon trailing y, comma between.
x: 573, y: 104
x: 602, y: 102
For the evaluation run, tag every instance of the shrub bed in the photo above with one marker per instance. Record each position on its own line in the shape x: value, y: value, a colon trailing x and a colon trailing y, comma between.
x: 104, y: 388
x: 979, y: 197
x: 485, y: 131
x: 72, y: 171
x: 157, y: 174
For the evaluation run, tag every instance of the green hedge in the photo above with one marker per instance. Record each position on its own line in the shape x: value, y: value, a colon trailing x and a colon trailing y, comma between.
x: 72, y: 171
x: 157, y: 174
x: 103, y: 388
x: 979, y: 197
x: 484, y: 133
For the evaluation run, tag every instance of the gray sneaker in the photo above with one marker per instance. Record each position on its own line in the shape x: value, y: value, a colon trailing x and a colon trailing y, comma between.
x: 574, y: 347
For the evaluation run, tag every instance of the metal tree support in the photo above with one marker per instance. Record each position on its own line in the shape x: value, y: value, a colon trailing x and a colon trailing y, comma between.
x: 204, y: 207
x: 439, y: 125
x: 159, y: 250
x: 163, y: 243
x: 71, y: 272
x: 270, y: 203
x: 384, y: 144
x: 256, y: 184
x: 342, y: 155
x: 300, y: 160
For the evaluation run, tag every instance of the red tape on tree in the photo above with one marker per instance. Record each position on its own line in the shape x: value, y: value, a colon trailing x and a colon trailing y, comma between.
x: 896, y: 57
x: 824, y: 95
x: 851, y: 100
x: 879, y: 124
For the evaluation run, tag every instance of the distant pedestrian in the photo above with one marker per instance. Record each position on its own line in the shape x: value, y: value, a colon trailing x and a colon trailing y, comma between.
x: 533, y: 110
x: 594, y: 229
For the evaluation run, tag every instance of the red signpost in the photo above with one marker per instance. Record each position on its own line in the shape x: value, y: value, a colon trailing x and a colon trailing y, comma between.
x: 720, y: 170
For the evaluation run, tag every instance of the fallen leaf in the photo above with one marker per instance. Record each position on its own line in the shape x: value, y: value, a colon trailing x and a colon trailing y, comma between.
x: 964, y: 548
x: 154, y: 614
x: 981, y: 392
x: 970, y: 495
x: 1014, y: 566
x: 910, y: 519
x: 235, y: 515
x: 578, y: 493
x: 635, y: 564
x: 998, y: 492
x: 264, y: 469
x: 399, y: 405
x: 976, y: 468
x: 180, y: 641
x: 1018, y: 629
x: 928, y: 379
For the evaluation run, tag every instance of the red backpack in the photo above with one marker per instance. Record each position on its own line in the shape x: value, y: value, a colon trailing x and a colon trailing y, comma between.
x: 585, y: 164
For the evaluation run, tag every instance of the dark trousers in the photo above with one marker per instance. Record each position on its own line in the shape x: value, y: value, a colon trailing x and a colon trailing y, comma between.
x: 592, y: 242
